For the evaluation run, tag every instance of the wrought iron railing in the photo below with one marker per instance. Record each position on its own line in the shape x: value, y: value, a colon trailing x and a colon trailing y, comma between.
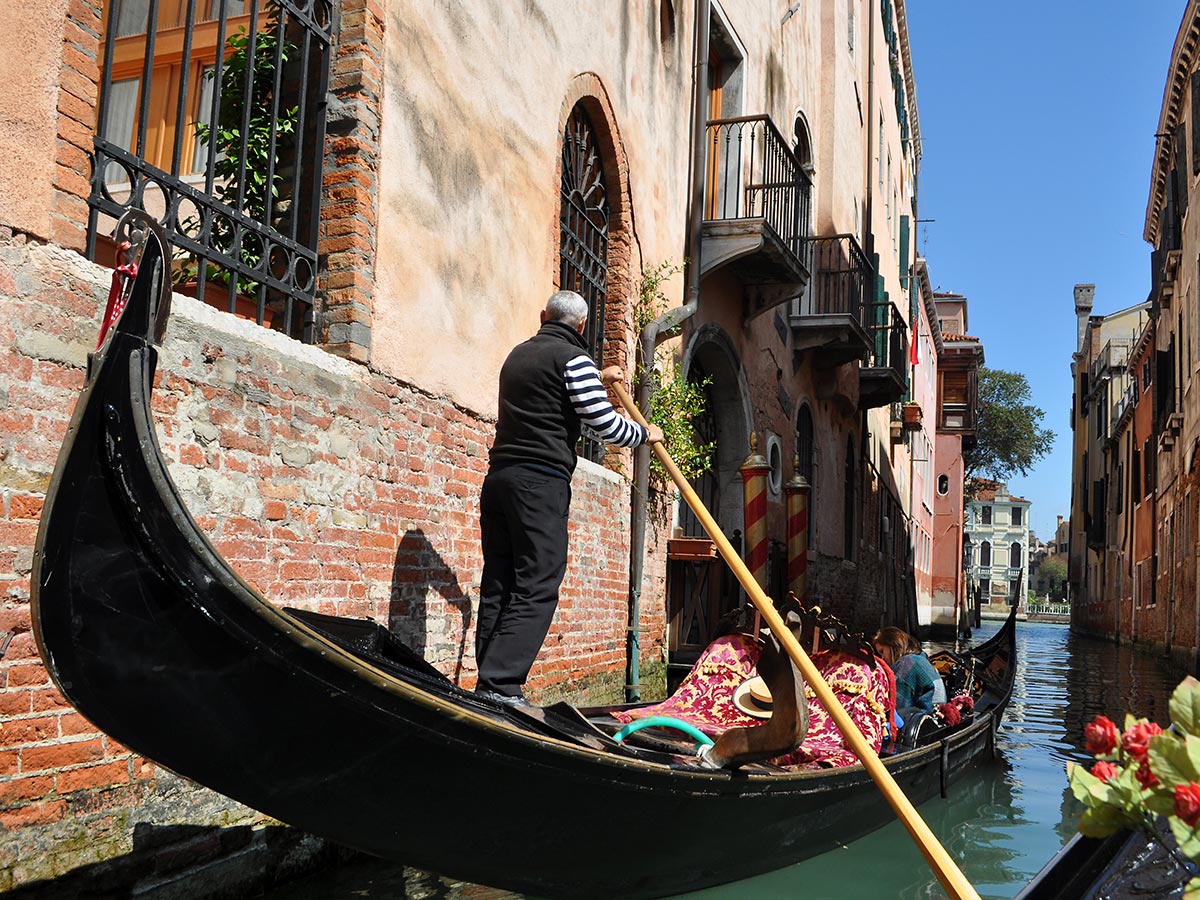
x: 889, y: 338
x: 752, y: 173
x: 842, y: 277
x: 219, y: 132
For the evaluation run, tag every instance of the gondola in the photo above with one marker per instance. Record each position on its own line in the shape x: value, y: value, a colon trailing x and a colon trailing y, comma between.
x: 336, y: 728
x: 1123, y: 866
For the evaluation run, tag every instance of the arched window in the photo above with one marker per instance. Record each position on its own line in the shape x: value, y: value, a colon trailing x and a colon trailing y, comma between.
x: 985, y: 553
x: 943, y: 485
x: 848, y: 500
x: 1014, y: 555
x: 804, y: 448
x: 583, y: 236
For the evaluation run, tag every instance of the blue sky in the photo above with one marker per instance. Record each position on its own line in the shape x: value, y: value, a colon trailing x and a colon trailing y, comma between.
x: 1037, y: 122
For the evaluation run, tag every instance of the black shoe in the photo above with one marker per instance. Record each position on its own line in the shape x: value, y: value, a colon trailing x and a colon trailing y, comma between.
x: 502, y: 699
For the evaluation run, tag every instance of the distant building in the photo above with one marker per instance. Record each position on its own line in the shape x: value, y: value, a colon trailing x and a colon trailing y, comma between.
x: 1109, y: 455
x: 959, y: 359
x: 997, y: 551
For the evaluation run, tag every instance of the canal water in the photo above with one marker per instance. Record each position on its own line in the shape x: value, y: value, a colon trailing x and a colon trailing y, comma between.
x: 1000, y: 823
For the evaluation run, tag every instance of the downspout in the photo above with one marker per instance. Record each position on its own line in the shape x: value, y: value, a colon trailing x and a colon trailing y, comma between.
x: 653, y: 334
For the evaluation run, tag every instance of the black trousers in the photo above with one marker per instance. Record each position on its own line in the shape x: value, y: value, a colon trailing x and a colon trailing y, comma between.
x: 523, y: 520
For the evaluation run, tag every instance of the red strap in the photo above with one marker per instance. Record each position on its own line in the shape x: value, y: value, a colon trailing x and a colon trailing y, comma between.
x: 122, y: 276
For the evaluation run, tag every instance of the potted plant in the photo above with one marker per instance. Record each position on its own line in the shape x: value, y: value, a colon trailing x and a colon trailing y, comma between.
x: 912, y: 414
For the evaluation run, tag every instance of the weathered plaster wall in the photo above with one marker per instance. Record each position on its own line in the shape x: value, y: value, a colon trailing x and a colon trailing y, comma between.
x: 31, y: 57
x: 469, y: 190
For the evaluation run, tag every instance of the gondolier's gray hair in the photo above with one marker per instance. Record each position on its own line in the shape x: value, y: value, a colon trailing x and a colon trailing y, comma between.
x: 566, y: 306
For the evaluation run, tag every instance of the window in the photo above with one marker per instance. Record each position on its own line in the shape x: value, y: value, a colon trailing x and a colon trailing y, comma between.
x: 985, y: 553
x: 1146, y: 375
x: 985, y: 513
x: 805, y: 449
x: 985, y: 589
x: 1014, y: 555
x: 583, y: 237
x: 1147, y: 467
x: 943, y: 485
x: 242, y: 211
x: 1017, y: 515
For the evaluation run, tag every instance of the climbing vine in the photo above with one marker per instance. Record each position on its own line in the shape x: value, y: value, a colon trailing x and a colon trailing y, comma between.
x: 675, y: 402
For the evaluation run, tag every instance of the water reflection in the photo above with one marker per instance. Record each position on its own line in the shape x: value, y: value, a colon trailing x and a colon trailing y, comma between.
x: 1000, y: 823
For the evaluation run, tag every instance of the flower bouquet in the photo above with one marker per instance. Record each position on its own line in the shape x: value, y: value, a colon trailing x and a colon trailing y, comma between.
x: 1145, y: 777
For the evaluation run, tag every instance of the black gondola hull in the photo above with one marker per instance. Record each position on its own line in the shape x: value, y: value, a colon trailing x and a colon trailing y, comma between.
x: 151, y: 635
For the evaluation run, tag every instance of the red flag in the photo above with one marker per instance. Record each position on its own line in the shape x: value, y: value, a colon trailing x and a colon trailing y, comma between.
x: 914, y: 354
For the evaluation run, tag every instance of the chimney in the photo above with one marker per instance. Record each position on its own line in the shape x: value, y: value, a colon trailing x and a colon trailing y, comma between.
x: 1083, y: 310
x: 1060, y: 521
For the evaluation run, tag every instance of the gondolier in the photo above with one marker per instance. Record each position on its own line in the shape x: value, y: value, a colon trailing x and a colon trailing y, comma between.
x: 549, y: 389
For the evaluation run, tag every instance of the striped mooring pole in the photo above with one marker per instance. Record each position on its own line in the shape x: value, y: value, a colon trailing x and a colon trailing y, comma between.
x: 754, y: 492
x: 796, y: 500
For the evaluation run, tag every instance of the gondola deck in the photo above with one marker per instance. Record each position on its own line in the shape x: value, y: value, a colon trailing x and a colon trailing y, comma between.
x: 149, y: 633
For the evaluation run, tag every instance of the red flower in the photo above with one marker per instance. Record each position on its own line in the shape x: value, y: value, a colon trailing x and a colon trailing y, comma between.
x: 1136, y: 740
x: 1146, y: 778
x: 1105, y: 771
x: 1187, y: 803
x: 950, y: 713
x: 1101, y: 735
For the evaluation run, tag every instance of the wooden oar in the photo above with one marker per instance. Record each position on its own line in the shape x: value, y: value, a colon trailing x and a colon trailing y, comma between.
x: 946, y: 870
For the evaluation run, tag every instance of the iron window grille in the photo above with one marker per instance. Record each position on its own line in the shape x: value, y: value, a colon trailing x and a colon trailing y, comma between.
x: 211, y: 118
x: 583, y: 238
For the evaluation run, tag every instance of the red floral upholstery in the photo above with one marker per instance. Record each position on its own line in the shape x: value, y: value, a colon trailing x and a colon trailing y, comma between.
x: 705, y: 700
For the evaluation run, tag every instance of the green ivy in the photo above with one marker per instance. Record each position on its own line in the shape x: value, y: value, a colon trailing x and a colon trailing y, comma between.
x: 675, y: 402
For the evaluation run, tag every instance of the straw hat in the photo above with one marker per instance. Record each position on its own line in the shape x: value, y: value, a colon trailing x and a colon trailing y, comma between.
x: 753, y: 698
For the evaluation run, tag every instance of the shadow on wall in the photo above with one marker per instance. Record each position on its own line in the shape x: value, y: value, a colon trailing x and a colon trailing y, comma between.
x: 418, y: 573
x: 196, y: 861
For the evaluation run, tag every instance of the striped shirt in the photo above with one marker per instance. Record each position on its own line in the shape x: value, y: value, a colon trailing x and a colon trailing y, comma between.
x: 590, y: 400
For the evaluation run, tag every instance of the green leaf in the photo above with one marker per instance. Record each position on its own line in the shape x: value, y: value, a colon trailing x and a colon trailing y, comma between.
x: 1185, y: 706
x: 1187, y: 837
x: 1173, y: 761
x: 1159, y: 802
x: 1104, y: 820
x: 1192, y: 891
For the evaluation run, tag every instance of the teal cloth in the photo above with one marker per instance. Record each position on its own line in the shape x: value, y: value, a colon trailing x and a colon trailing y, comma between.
x: 919, y: 687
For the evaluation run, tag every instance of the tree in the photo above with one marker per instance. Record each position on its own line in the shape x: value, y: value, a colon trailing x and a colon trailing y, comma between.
x: 1009, y: 436
x: 1052, y: 577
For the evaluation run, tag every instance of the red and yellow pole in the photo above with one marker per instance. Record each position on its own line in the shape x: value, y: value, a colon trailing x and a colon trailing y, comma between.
x: 796, y: 498
x: 754, y: 492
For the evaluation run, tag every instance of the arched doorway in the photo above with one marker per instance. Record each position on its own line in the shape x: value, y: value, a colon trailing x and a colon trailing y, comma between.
x: 726, y: 424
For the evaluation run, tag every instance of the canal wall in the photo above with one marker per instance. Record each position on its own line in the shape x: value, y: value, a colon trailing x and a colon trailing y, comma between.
x: 327, y: 485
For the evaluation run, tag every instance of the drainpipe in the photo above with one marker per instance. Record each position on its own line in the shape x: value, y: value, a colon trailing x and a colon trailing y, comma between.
x: 657, y: 331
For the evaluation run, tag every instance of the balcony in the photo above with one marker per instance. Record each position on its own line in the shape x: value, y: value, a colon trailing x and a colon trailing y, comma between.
x: 827, y: 320
x: 757, y: 210
x: 884, y: 376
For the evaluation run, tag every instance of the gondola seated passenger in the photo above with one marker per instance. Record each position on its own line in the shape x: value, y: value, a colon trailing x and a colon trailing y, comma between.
x: 919, y: 687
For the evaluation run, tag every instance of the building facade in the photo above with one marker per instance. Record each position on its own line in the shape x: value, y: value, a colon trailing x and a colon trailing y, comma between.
x: 1105, y: 461
x: 997, y: 551
x: 403, y: 189
x: 960, y: 357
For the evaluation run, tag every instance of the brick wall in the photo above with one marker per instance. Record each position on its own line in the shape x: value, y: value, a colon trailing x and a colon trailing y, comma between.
x: 326, y: 485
